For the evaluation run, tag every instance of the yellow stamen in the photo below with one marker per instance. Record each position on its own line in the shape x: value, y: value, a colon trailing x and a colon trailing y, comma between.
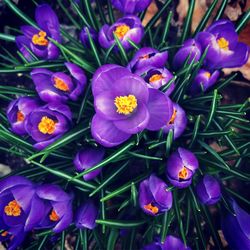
x: 60, y: 84
x: 144, y: 57
x: 223, y: 43
x: 121, y: 30
x: 47, y: 125
x: 171, y: 121
x: 151, y: 208
x: 40, y: 39
x: 207, y: 74
x: 20, y: 116
x: 125, y: 104
x: 183, y: 173
x: 155, y: 78
x: 54, y: 216
x: 12, y: 209
x: 4, y: 233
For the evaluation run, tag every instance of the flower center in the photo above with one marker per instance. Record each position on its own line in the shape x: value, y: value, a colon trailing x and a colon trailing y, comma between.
x: 54, y: 216
x: 12, y: 209
x: 47, y: 125
x: 223, y: 43
x: 20, y: 116
x: 207, y: 74
x: 60, y: 84
x: 40, y: 39
x: 151, y: 208
x: 183, y: 173
x: 121, y: 30
x: 4, y: 233
x: 171, y: 121
x: 144, y: 57
x: 155, y: 78
x: 125, y: 104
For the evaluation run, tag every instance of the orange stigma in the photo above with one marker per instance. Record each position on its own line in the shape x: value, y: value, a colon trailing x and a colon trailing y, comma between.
x: 223, y: 43
x: 40, y: 39
x: 155, y: 78
x: 12, y: 209
x: 183, y: 173
x: 47, y: 125
x: 171, y: 121
x: 60, y: 84
x: 151, y: 208
x: 207, y: 74
x: 20, y: 116
x: 144, y: 57
x: 121, y: 30
x: 4, y: 233
x: 54, y: 216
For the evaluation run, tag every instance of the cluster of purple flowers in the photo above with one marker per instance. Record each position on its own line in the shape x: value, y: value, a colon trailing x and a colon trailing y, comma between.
x: 25, y: 206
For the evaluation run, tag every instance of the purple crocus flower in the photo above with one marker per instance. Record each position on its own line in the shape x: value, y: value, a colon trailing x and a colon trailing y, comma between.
x: 177, y: 122
x: 58, y: 211
x: 203, y: 81
x: 154, y: 197
x: 59, y: 86
x: 181, y: 166
x: 130, y: 6
x: 156, y: 77
x: 208, y: 190
x: 18, y: 110
x: 86, y: 215
x: 171, y: 243
x: 124, y: 105
x: 146, y: 57
x: 224, y: 49
x: 87, y: 158
x: 128, y: 27
x: 85, y: 38
x: 46, y: 124
x: 37, y: 40
x: 191, y: 49
x: 236, y: 229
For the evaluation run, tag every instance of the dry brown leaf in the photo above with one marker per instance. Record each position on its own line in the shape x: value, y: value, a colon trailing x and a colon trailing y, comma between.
x: 233, y: 12
x: 182, y: 10
x: 151, y: 11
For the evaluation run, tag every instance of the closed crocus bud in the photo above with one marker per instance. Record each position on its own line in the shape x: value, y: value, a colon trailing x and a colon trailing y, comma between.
x: 203, y: 81
x: 208, y: 190
x: 17, y: 112
x: 87, y: 158
x: 236, y: 228
x: 191, y: 49
x: 86, y: 215
x: 85, y: 38
x: 178, y: 121
x: 154, y: 197
x: 130, y: 6
x: 181, y: 166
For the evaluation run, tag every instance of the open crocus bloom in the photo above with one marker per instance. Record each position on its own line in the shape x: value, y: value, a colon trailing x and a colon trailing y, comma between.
x: 128, y: 27
x: 146, y: 57
x: 18, y: 110
x: 37, y: 40
x: 46, y: 124
x: 224, y: 49
x: 154, y: 198
x: 124, y: 105
x: 181, y: 166
x: 59, y: 86
x: 58, y: 210
x: 130, y: 6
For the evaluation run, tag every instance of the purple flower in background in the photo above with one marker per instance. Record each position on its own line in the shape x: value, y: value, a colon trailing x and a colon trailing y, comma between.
x: 208, y: 190
x: 236, y: 229
x: 154, y: 197
x: 86, y: 215
x: 36, y: 39
x: 18, y: 110
x: 85, y: 38
x: 59, y: 86
x: 128, y: 27
x: 181, y: 166
x: 224, y: 49
x: 58, y: 211
x: 156, y: 77
x: 48, y: 123
x: 146, y: 57
x: 124, y: 105
x: 87, y: 158
x: 177, y: 122
x: 130, y: 6
x: 203, y: 81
